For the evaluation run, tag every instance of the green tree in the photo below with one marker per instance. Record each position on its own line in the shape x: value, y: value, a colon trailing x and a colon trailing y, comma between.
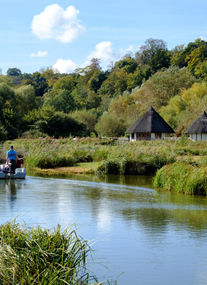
x: 109, y: 125
x: 201, y: 70
x: 26, y: 99
x: 184, y: 109
x: 149, y: 50
x: 47, y: 120
x: 127, y: 63
x: 14, y: 72
x: 197, y: 56
x: 85, y: 117
x: 8, y: 111
x: 115, y: 84
x: 160, y: 59
x: 179, y: 57
x: 172, y: 111
x: 64, y: 83
x: 63, y: 101
x: 162, y: 86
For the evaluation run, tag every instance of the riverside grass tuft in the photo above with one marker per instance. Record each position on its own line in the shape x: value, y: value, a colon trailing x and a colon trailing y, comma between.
x: 41, y: 256
x: 182, y: 178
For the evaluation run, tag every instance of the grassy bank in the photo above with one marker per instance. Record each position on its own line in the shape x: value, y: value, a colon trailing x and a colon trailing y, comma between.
x: 109, y: 156
x: 182, y: 177
x: 41, y: 256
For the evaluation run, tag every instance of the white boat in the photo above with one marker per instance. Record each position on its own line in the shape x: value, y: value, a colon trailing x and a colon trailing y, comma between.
x: 20, y: 173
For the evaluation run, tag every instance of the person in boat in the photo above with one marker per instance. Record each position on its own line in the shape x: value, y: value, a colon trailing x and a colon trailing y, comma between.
x: 11, y: 156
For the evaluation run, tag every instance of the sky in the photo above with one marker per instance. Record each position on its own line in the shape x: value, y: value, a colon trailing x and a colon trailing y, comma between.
x: 65, y: 35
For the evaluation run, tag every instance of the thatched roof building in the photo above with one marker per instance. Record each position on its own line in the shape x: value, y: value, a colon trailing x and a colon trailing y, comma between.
x: 198, y: 129
x: 150, y: 126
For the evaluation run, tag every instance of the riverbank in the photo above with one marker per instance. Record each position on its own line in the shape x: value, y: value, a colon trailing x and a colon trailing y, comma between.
x: 109, y: 156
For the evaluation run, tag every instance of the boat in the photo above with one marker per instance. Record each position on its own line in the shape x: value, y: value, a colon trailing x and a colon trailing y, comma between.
x: 20, y: 173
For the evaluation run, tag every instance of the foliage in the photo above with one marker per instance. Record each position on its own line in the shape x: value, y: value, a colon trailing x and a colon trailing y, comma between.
x: 184, y: 109
x: 13, y: 72
x: 42, y: 256
x: 182, y: 177
x: 26, y: 99
x: 153, y: 76
x: 109, y: 125
x: 53, y: 123
x: 62, y: 101
x: 64, y: 83
x: 85, y: 117
x: 149, y: 50
x: 162, y: 86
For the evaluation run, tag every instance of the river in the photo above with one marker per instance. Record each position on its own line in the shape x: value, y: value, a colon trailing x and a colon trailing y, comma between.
x: 153, y: 238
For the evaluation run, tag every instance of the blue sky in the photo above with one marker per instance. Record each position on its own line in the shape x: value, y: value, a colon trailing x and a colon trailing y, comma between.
x: 66, y: 34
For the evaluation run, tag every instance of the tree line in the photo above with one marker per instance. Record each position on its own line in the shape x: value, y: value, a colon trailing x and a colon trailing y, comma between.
x: 93, y: 102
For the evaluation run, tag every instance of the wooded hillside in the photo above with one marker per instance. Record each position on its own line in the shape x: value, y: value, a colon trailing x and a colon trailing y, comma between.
x: 92, y: 102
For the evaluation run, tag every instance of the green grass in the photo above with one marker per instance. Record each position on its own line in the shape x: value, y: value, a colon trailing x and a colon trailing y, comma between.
x: 183, y: 178
x: 41, y: 256
x: 110, y: 157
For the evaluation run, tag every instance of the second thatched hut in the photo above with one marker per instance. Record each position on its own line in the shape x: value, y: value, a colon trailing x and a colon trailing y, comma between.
x: 150, y: 126
x: 198, y: 129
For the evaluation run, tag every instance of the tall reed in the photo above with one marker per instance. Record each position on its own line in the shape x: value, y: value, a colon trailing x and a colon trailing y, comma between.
x: 41, y: 256
x: 182, y: 177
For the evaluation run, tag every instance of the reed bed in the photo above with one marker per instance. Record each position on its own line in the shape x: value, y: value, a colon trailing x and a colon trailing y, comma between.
x: 140, y: 157
x: 41, y: 256
x: 183, y: 178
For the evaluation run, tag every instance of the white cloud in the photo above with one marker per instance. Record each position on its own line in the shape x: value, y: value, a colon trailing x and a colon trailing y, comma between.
x: 106, y: 53
x: 203, y: 38
x: 64, y: 66
x: 56, y: 23
x: 39, y: 54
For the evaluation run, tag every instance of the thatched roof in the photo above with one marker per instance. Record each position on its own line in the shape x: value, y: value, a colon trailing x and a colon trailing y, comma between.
x: 199, y: 126
x: 150, y: 122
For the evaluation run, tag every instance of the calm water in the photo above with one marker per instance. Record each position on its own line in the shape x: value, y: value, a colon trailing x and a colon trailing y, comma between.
x: 155, y: 238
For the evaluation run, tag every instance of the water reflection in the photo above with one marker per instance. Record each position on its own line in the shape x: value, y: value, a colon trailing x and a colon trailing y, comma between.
x: 156, y: 232
x: 11, y: 186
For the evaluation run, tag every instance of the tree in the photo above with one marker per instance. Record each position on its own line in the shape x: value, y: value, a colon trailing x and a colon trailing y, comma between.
x: 178, y: 56
x: 162, y: 86
x: 49, y: 76
x: 60, y: 124
x: 134, y: 79
x: 182, y: 110
x: 180, y: 53
x: 127, y: 63
x: 8, y: 111
x: 63, y: 101
x: 115, y: 84
x: 197, y: 56
x: 172, y: 111
x: 14, y: 72
x: 26, y: 99
x: 160, y: 59
x: 109, y: 125
x: 48, y: 121
x: 85, y: 117
x: 64, y: 83
x: 38, y: 81
x: 149, y: 49
x: 201, y: 70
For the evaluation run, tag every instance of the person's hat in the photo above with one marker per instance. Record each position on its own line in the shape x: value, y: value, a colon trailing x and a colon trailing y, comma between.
x: 11, y: 146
